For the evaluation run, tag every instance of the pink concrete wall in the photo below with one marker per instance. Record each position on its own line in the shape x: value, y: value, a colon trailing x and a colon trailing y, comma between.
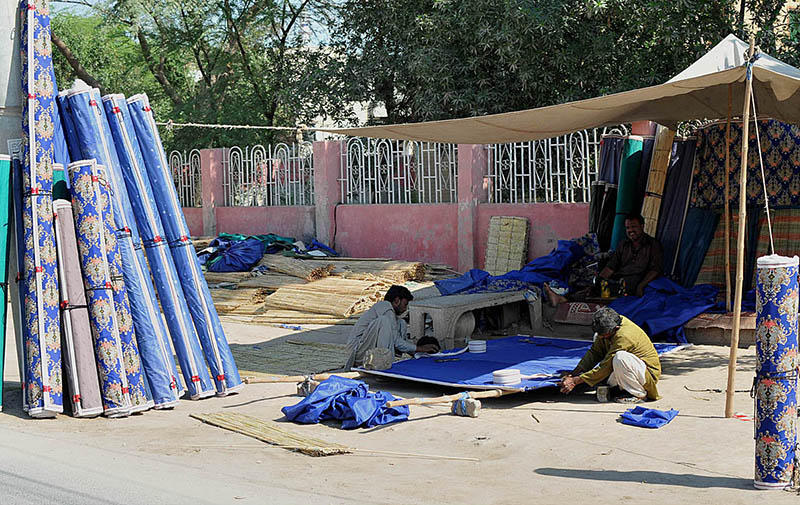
x: 194, y: 219
x: 549, y: 222
x: 297, y: 222
x: 406, y: 232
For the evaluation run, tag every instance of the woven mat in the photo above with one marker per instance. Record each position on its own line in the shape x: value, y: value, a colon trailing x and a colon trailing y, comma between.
x: 576, y: 313
x: 290, y: 357
x: 271, y: 433
x: 506, y: 245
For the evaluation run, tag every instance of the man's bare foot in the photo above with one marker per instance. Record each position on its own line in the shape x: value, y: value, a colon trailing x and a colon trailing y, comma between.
x: 552, y: 297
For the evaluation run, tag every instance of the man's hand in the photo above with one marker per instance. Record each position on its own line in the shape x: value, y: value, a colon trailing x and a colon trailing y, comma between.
x: 428, y: 348
x: 640, y: 290
x: 568, y: 383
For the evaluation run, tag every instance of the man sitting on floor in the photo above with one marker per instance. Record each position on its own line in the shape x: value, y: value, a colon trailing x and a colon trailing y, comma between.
x: 380, y: 327
x: 622, y: 353
x: 637, y: 259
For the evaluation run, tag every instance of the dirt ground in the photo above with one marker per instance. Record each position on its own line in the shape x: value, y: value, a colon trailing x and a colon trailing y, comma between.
x: 540, y: 447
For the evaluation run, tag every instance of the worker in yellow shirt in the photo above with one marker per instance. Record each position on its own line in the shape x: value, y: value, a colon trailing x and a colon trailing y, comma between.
x: 622, y: 355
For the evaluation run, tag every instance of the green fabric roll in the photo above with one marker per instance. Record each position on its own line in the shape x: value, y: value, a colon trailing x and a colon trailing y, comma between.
x: 626, y: 194
x: 60, y: 191
x: 5, y: 207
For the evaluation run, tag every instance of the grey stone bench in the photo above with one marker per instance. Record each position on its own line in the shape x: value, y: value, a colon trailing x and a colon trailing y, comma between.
x: 446, y: 310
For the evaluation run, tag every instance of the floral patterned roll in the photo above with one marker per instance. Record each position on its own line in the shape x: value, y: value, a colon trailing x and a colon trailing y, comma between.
x: 91, y: 207
x: 42, y: 380
x: 775, y: 385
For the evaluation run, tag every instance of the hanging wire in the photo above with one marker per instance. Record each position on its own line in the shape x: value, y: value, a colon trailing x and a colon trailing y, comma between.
x: 763, y: 177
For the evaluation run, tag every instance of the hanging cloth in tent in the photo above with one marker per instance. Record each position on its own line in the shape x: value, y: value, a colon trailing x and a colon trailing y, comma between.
x: 785, y: 232
x: 5, y: 211
x: 204, y: 314
x: 42, y: 381
x: 648, y: 144
x: 159, y: 363
x: 80, y: 366
x: 775, y: 384
x: 96, y: 141
x: 697, y: 235
x: 91, y: 206
x: 626, y: 194
x: 604, y: 191
x: 780, y: 150
x: 675, y: 200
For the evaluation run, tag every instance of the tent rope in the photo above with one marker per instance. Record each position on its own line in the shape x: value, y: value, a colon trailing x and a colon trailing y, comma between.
x: 763, y: 177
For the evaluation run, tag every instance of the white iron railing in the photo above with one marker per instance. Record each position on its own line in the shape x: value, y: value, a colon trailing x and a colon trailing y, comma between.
x: 554, y: 170
x: 186, y: 175
x: 376, y: 171
x: 261, y: 176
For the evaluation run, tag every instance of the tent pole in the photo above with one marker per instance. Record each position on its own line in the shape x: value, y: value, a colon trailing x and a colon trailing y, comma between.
x: 727, y: 202
x: 737, y: 302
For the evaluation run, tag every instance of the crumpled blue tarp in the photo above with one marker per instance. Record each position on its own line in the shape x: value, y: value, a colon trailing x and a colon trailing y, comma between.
x: 552, y: 267
x: 316, y: 245
x: 239, y: 256
x: 648, y: 418
x: 666, y: 307
x: 347, y: 400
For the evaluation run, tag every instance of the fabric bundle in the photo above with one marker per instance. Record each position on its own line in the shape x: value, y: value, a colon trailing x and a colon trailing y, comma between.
x: 91, y: 205
x: 628, y: 185
x: 776, y: 371
x: 41, y: 374
x: 675, y: 201
x: 604, y: 191
x: 80, y: 365
x: 96, y: 142
x: 215, y: 346
x: 155, y: 351
x: 647, y: 418
x: 5, y: 207
x: 349, y: 401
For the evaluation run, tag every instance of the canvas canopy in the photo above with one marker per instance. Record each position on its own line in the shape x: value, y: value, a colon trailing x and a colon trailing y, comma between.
x: 699, y: 92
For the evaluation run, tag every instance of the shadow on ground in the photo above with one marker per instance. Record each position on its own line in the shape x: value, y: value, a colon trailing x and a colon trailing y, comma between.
x: 650, y: 477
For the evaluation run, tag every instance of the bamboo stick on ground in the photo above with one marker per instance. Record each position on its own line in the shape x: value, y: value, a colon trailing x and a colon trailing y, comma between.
x: 299, y: 378
x: 492, y: 393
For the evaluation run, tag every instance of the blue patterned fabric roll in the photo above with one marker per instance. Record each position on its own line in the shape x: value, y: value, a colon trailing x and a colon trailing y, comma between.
x: 775, y: 385
x: 91, y: 208
x: 139, y: 390
x: 173, y: 303
x: 96, y: 141
x: 42, y: 380
x: 204, y: 314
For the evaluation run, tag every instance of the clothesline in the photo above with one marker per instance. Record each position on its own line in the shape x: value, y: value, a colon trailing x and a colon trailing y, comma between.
x: 171, y: 124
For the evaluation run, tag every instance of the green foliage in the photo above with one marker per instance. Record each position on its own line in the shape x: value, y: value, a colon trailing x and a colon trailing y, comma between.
x: 433, y: 59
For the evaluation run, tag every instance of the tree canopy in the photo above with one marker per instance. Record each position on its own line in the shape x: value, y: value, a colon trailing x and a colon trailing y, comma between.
x: 290, y: 62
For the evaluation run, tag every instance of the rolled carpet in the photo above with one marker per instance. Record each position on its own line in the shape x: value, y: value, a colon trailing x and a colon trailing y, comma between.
x: 80, y: 366
x: 628, y: 186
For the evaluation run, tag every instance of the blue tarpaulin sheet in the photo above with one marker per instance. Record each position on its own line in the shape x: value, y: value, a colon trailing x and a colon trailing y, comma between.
x: 552, y: 267
x: 239, y: 256
x: 529, y: 355
x: 648, y: 418
x: 347, y: 400
x: 666, y: 307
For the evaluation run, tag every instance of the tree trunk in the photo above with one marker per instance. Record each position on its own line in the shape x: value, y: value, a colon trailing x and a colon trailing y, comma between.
x: 75, y: 64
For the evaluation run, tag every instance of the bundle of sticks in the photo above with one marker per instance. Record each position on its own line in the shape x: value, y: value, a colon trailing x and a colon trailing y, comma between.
x: 295, y: 267
x: 334, y: 296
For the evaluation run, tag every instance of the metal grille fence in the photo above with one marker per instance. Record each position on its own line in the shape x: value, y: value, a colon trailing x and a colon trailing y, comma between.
x: 186, y: 174
x: 378, y: 171
x: 282, y: 174
x: 555, y: 170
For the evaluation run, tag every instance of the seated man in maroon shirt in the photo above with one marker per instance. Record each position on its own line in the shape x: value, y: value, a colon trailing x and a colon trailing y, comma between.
x: 637, y: 259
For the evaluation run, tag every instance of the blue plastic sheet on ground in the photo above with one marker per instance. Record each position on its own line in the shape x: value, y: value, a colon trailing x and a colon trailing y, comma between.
x: 347, y: 400
x: 648, y: 418
x: 666, y: 307
x: 529, y: 355
x: 552, y: 267
x: 238, y: 256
